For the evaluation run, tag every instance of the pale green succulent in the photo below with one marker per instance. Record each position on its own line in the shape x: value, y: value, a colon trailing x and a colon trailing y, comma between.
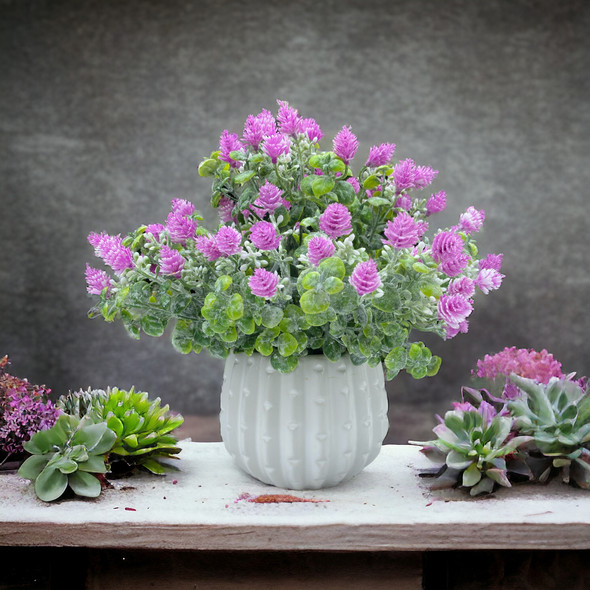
x: 68, y: 454
x: 557, y: 415
x: 475, y: 449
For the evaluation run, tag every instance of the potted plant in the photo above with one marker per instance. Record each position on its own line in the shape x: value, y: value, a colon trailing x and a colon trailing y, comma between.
x: 316, y: 278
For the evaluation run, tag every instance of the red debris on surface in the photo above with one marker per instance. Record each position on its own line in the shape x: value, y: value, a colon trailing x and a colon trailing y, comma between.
x: 276, y: 499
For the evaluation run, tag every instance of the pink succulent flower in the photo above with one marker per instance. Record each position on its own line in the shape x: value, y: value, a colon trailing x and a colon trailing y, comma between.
x: 472, y: 220
x: 488, y: 280
x: 319, y: 248
x: 207, y: 246
x: 228, y: 240
x: 229, y: 142
x: 310, y: 128
x: 404, y: 231
x: 365, y: 277
x: 276, y: 145
x: 436, y: 203
x: 336, y: 220
x: 380, y: 155
x: 179, y: 223
x: 263, y: 235
x: 288, y: 119
x: 345, y: 145
x: 97, y: 280
x: 263, y: 283
x: 171, y: 261
x: 258, y: 127
x: 454, y: 309
x: 269, y: 198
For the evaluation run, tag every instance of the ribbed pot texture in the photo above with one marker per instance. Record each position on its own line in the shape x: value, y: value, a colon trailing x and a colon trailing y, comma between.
x: 312, y: 428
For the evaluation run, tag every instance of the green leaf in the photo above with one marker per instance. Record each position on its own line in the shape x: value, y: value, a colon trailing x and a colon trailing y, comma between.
x: 235, y: 309
x: 208, y: 167
x: 287, y: 344
x: 244, y: 177
x: 320, y: 185
x: 371, y: 182
x: 314, y: 301
x: 283, y: 364
x: 333, y: 267
x: 471, y: 475
x: 333, y: 285
x: 345, y: 192
x: 153, y: 326
x: 310, y: 279
x: 271, y: 316
x: 378, y: 202
x: 94, y: 464
x: 456, y: 460
x: 33, y: 466
x: 223, y: 283
x: 84, y: 484
x: 153, y: 466
x: 50, y: 484
x: 181, y: 337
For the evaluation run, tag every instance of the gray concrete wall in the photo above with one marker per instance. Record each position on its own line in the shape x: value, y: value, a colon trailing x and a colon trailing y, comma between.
x: 106, y: 108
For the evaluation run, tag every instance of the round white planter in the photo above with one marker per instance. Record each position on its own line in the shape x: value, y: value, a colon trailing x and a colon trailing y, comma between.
x: 312, y: 428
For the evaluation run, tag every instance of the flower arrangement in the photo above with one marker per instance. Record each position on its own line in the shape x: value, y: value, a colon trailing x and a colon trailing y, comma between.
x: 536, y: 426
x: 309, y: 257
x: 24, y: 409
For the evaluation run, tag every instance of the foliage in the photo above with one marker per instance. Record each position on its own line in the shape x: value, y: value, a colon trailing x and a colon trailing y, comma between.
x: 142, y: 427
x: 68, y: 455
x: 309, y: 257
x: 24, y: 409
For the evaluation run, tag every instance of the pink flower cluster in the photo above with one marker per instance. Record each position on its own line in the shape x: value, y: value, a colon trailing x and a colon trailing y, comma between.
x: 406, y: 175
x: 365, y: 277
x: 226, y: 242
x: 319, y: 248
x: 336, y: 220
x: 112, y: 251
x: 540, y: 366
x: 404, y: 231
x: 180, y: 224
x: 263, y: 235
x: 263, y: 283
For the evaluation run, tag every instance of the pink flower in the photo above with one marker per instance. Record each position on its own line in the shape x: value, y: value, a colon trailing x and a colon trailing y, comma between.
x: 263, y: 235
x: 112, y: 251
x: 355, y: 184
x: 380, y: 155
x: 276, y: 145
x: 454, y: 266
x: 424, y: 176
x: 540, y: 366
x: 472, y: 220
x: 229, y: 142
x: 488, y: 280
x: 155, y: 230
x: 451, y: 332
x: 179, y: 223
x: 228, y: 240
x: 404, y: 231
x: 436, y: 203
x: 404, y: 174
x: 288, y: 119
x: 258, y: 127
x: 491, y: 261
x: 336, y: 220
x: 226, y: 209
x: 345, y: 145
x: 462, y: 286
x: 206, y: 245
x: 269, y: 198
x: 97, y: 280
x: 446, y: 245
x: 171, y: 261
x: 454, y: 309
x: 310, y: 128
x: 365, y: 277
x: 263, y: 283
x: 319, y: 248
x: 404, y: 202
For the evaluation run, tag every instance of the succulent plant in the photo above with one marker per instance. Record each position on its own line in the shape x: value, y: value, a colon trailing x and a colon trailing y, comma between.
x: 478, y: 449
x: 79, y: 403
x: 557, y: 416
x: 68, y: 454
x: 142, y: 427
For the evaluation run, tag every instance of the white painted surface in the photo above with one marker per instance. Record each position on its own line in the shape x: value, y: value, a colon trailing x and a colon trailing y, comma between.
x: 386, y: 507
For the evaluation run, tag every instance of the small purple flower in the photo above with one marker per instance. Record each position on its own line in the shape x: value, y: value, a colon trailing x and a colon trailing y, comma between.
x: 462, y: 286
x: 155, y: 230
x: 487, y: 411
x: 404, y: 202
x: 336, y: 220
x: 355, y: 184
x: 491, y: 261
x: 404, y: 174
x: 263, y: 235
x: 472, y: 220
x: 97, y: 280
x: 319, y: 248
x: 206, y: 245
x: 464, y: 407
x: 269, y: 198
x: 446, y: 245
x: 171, y: 261
x: 380, y: 155
x: 404, y: 231
x: 228, y: 240
x: 229, y: 142
x: 226, y: 209
x: 451, y: 332
x: 258, y: 127
x: 179, y: 223
x: 112, y: 251
x: 263, y: 283
x: 454, y: 266
x: 345, y: 145
x: 310, y: 128
x: 436, y: 203
x: 488, y: 280
x: 288, y: 119
x: 453, y: 310
x: 365, y: 277
x: 424, y: 176
x: 276, y: 145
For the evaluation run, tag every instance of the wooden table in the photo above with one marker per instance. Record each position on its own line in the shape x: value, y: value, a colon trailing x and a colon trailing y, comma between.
x: 199, y: 528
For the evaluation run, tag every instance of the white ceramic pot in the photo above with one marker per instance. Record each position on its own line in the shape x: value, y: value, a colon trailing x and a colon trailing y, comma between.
x: 312, y: 428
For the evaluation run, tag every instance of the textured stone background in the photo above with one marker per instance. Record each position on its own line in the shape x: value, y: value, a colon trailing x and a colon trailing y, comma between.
x: 106, y: 108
